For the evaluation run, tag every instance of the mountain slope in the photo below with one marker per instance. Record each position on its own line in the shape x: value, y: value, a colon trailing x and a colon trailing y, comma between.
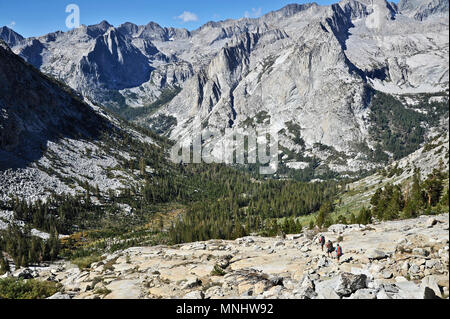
x: 433, y: 155
x: 43, y: 112
x: 106, y: 64
x: 421, y: 10
x: 52, y: 141
x: 330, y: 69
x: 310, y: 72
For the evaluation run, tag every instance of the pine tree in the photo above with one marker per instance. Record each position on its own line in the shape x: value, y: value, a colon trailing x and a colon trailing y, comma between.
x: 88, y: 197
x: 142, y: 166
x: 97, y: 191
x: 433, y: 187
x: 415, y: 200
x: 4, y: 264
x: 322, y: 216
x: 364, y: 217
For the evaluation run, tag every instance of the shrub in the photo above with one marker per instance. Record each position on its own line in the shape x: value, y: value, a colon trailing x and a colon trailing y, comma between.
x: 14, y: 288
x: 109, y: 265
x: 85, y: 262
x: 217, y: 271
x: 103, y: 291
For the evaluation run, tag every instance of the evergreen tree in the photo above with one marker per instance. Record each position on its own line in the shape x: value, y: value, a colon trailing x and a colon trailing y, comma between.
x: 322, y: 217
x: 415, y: 199
x: 4, y: 264
x: 364, y: 217
x: 433, y: 187
x: 142, y: 166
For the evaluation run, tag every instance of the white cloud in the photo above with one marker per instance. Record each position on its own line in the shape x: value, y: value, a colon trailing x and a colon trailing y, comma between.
x: 187, y: 16
x: 12, y: 24
x: 256, y: 13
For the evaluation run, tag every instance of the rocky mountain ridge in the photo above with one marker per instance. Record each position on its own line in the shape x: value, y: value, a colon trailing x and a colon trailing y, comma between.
x: 10, y: 37
x: 330, y: 59
x: 330, y: 66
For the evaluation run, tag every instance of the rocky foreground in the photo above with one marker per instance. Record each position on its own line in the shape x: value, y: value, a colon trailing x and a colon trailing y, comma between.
x: 399, y: 260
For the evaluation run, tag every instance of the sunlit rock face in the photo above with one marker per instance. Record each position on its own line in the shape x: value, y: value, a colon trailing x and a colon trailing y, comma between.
x: 309, y: 67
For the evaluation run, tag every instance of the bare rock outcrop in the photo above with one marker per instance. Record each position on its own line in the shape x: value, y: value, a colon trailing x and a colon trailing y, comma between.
x: 184, y: 271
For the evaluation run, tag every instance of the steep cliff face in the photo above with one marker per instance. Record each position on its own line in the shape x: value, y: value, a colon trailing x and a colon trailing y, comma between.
x: 410, y: 56
x: 421, y: 10
x: 50, y: 138
x: 316, y: 76
x: 116, y: 63
x: 10, y: 37
x: 244, y: 80
x: 104, y: 63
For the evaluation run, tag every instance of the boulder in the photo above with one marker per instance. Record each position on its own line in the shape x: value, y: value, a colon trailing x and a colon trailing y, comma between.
x: 405, y: 266
x: 305, y: 293
x: 433, y: 263
x: 428, y: 293
x: 375, y: 254
x: 420, y: 262
x: 400, y: 279
x: 25, y: 274
x: 194, y: 295
x: 278, y: 244
x: 383, y: 295
x: 306, y: 283
x: 305, y: 249
x: 346, y: 259
x: 323, y: 262
x: 214, y: 292
x: 362, y: 271
x: 431, y: 282
x: 389, y: 289
x: 223, y: 263
x: 387, y: 274
x: 348, y: 283
x: 245, y: 240
x: 376, y: 268
x: 60, y: 296
x: 310, y: 234
x: 294, y: 237
x: 409, y: 290
x: 273, y: 292
x: 325, y: 289
x: 198, y: 246
x: 6, y: 275
x: 414, y: 269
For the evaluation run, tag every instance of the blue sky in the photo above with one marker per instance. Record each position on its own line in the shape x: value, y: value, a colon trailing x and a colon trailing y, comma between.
x: 35, y: 18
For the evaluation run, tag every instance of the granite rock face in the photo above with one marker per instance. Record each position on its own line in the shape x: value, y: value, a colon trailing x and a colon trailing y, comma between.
x: 307, y: 69
x: 184, y: 271
x: 49, y: 135
x: 313, y: 78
